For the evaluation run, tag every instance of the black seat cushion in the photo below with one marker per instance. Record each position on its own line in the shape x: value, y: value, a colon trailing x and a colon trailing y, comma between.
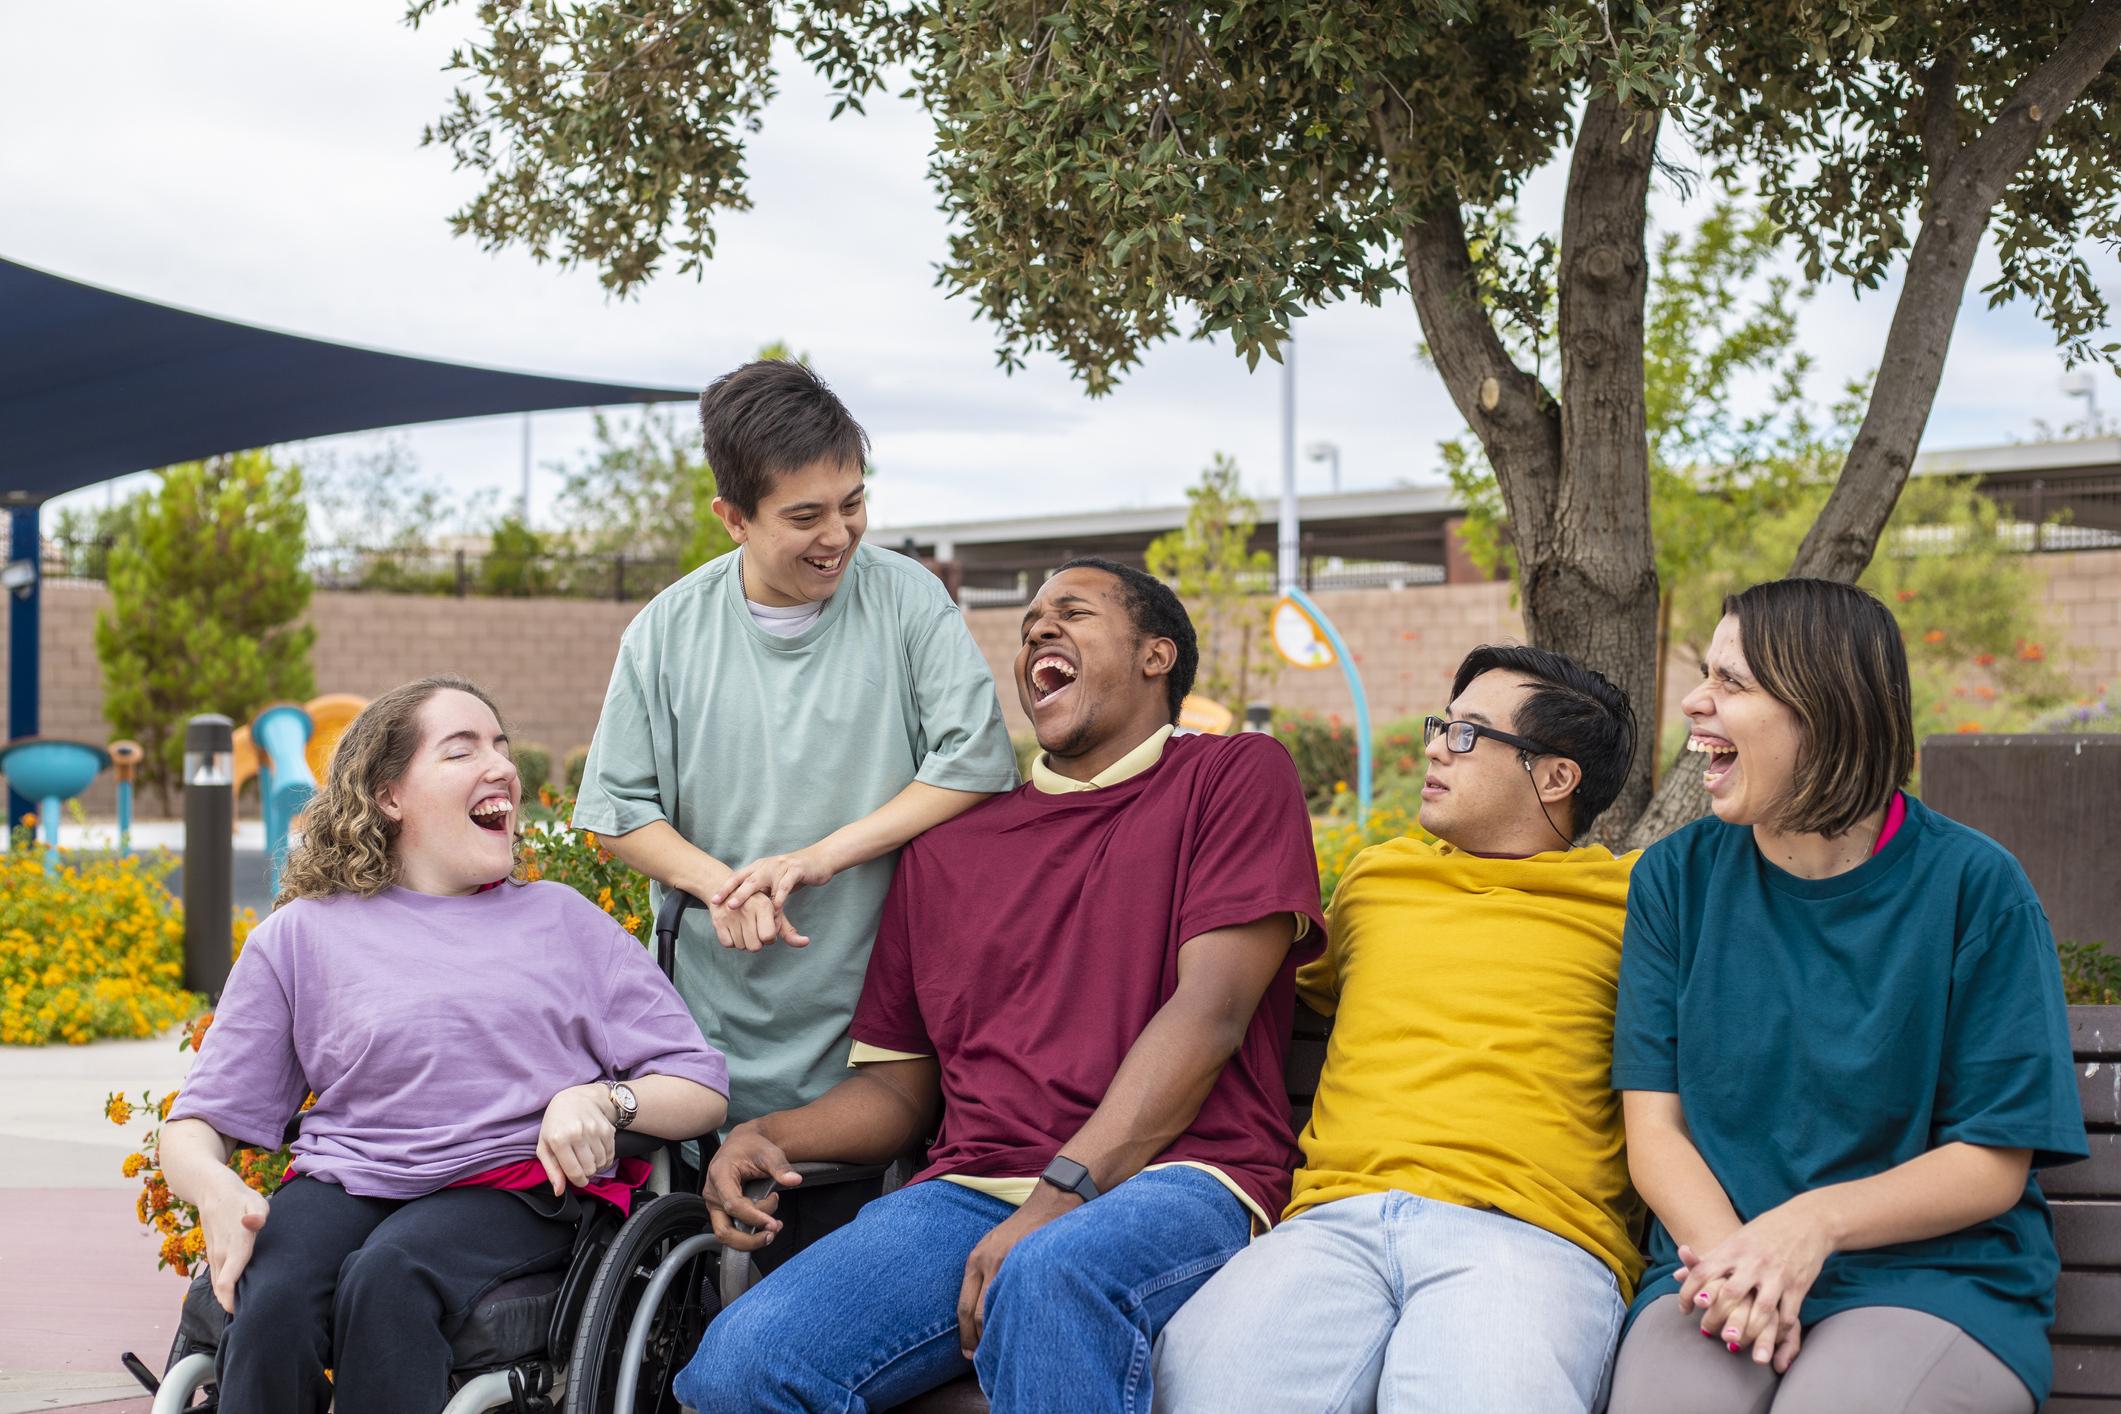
x: 508, y: 1324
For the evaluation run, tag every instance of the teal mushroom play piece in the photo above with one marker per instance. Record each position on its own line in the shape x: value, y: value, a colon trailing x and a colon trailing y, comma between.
x: 51, y: 771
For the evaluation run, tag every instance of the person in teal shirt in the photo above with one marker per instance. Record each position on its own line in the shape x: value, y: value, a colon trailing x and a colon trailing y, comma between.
x: 779, y: 722
x: 1842, y: 1050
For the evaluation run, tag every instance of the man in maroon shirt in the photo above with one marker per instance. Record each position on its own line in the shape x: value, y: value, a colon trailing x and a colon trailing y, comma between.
x: 1089, y: 983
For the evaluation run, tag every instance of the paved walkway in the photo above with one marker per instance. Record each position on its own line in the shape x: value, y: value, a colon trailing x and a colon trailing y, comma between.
x: 78, y: 1283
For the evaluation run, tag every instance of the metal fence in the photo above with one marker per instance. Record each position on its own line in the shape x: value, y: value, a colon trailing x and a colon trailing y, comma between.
x: 424, y: 570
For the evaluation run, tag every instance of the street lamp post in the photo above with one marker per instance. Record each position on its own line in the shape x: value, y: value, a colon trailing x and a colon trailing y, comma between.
x: 1327, y: 452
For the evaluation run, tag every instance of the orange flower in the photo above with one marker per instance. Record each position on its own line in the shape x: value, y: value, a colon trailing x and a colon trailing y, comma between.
x: 1985, y: 693
x: 2032, y: 652
x: 195, y: 1033
x: 132, y: 1165
x: 119, y: 1110
x: 1985, y: 660
x: 1966, y: 728
x: 162, y: 1110
x: 1935, y: 635
x: 1905, y: 596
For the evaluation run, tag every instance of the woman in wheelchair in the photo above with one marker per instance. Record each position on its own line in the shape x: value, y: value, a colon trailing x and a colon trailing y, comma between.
x: 475, y: 1042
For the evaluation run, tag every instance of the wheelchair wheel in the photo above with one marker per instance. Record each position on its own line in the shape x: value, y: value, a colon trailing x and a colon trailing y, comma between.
x: 642, y: 1246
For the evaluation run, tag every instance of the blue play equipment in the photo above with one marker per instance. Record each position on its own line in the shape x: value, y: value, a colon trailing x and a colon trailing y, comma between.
x: 281, y: 735
x: 50, y: 772
x: 125, y: 758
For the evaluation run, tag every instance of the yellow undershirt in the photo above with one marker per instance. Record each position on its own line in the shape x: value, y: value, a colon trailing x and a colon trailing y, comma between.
x: 1017, y: 1191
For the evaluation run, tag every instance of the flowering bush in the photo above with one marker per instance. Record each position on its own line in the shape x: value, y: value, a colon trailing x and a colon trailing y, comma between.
x: 183, y: 1241
x: 89, y: 949
x: 1337, y: 842
x: 577, y: 858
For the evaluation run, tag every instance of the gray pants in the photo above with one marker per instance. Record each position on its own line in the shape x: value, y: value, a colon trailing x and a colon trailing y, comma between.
x: 1873, y: 1360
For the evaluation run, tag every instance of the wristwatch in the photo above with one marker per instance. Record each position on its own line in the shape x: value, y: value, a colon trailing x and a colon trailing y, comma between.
x: 1069, y: 1177
x: 624, y: 1107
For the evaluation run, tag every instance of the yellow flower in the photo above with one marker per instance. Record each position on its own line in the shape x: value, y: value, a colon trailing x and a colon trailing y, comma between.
x: 630, y: 922
x: 119, y: 1111
x: 133, y: 1164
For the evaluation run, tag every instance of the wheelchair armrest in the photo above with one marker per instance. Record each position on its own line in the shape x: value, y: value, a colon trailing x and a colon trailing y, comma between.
x: 815, y: 1175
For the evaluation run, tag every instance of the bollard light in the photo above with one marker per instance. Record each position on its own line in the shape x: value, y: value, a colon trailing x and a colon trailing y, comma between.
x: 209, y: 883
x: 1259, y: 717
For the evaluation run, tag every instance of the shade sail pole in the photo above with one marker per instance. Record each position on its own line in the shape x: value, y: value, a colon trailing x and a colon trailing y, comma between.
x: 23, y: 604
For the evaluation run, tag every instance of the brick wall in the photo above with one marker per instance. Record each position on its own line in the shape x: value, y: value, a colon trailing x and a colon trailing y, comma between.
x: 546, y: 661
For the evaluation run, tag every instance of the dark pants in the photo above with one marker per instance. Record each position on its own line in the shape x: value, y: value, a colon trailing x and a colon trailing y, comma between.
x: 371, y: 1288
x: 808, y: 1214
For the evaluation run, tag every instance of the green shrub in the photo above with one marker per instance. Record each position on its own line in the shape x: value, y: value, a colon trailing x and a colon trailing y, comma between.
x: 1026, y: 752
x: 577, y: 768
x: 2091, y: 975
x: 533, y: 765
x: 1324, y: 752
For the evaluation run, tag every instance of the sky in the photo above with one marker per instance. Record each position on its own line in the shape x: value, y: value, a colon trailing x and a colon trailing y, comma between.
x: 261, y: 161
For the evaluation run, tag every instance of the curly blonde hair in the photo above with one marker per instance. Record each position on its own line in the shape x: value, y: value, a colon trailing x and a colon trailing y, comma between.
x: 346, y: 837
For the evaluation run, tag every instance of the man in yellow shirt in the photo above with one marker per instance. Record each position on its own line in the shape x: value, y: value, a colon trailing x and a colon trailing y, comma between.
x: 1458, y: 1235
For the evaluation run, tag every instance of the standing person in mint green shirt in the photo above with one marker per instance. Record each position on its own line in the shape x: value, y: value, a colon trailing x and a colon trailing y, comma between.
x: 783, y: 719
x: 1842, y: 1049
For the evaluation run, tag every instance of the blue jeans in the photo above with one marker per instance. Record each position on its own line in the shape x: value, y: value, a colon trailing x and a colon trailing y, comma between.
x: 867, y: 1317
x: 1396, y: 1303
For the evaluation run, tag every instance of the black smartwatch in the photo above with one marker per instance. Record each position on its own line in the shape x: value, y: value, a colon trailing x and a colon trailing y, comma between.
x: 1069, y: 1177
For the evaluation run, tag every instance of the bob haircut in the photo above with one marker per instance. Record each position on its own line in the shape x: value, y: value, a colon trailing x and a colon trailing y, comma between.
x: 347, y: 840
x: 1832, y: 653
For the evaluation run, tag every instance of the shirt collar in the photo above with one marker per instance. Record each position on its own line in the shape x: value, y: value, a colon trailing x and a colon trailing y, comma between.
x: 1140, y: 759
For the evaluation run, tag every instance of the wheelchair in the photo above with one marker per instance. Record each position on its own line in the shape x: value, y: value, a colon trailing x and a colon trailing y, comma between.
x: 604, y: 1335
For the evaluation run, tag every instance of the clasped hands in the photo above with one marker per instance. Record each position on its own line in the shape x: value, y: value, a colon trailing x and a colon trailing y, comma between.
x: 749, y: 907
x: 1748, y: 1289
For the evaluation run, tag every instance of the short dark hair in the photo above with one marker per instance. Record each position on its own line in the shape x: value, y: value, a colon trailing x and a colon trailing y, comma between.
x: 1572, y: 710
x: 772, y: 416
x: 1157, y: 613
x: 1832, y: 654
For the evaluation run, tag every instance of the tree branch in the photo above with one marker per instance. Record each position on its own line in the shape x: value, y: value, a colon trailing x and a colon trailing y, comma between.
x: 1940, y: 121
x: 1841, y: 542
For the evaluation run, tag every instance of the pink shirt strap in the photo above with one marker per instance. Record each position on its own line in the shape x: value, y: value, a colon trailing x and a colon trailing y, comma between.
x: 1895, y: 817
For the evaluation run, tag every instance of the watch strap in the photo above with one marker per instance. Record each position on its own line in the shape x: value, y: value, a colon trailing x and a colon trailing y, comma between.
x: 1070, y: 1177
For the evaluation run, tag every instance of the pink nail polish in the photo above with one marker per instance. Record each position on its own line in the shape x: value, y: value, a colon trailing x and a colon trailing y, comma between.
x: 1701, y: 1299
x: 1733, y: 1345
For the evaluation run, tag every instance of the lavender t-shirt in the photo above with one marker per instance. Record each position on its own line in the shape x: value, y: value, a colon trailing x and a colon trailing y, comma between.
x: 434, y: 1031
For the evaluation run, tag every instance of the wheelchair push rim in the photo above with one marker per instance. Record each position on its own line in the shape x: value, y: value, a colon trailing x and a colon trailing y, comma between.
x: 651, y: 1239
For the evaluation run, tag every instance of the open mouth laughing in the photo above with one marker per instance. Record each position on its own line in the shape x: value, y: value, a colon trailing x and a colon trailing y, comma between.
x: 1051, y: 675
x: 491, y: 814
x: 825, y: 566
x: 1722, y: 754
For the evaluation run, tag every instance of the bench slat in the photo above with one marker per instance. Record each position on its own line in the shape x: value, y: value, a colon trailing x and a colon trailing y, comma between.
x: 2082, y: 1406
x: 2088, y: 1234
x: 2096, y: 1177
x: 2094, y: 1032
x: 2087, y: 1369
x: 2099, y: 1090
x: 2088, y: 1304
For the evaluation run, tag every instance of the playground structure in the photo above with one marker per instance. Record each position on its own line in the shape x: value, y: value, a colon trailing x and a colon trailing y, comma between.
x: 281, y: 736
x: 51, y: 771
x: 329, y: 716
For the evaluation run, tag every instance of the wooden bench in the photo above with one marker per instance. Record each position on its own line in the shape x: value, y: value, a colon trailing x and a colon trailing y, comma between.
x: 2086, y: 1199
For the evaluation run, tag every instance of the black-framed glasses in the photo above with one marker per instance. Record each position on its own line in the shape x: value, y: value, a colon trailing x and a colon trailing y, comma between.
x: 1462, y: 737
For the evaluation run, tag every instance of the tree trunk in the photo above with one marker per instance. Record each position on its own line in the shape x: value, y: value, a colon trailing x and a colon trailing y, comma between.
x: 1574, y: 474
x: 1965, y: 185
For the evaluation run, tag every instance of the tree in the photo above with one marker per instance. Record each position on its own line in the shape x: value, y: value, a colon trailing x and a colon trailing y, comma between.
x: 1211, y: 564
x: 1112, y: 168
x: 378, y: 522
x: 206, y: 592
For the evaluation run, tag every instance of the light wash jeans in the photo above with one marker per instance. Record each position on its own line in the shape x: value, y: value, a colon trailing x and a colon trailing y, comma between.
x: 866, y: 1317
x: 1399, y: 1304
